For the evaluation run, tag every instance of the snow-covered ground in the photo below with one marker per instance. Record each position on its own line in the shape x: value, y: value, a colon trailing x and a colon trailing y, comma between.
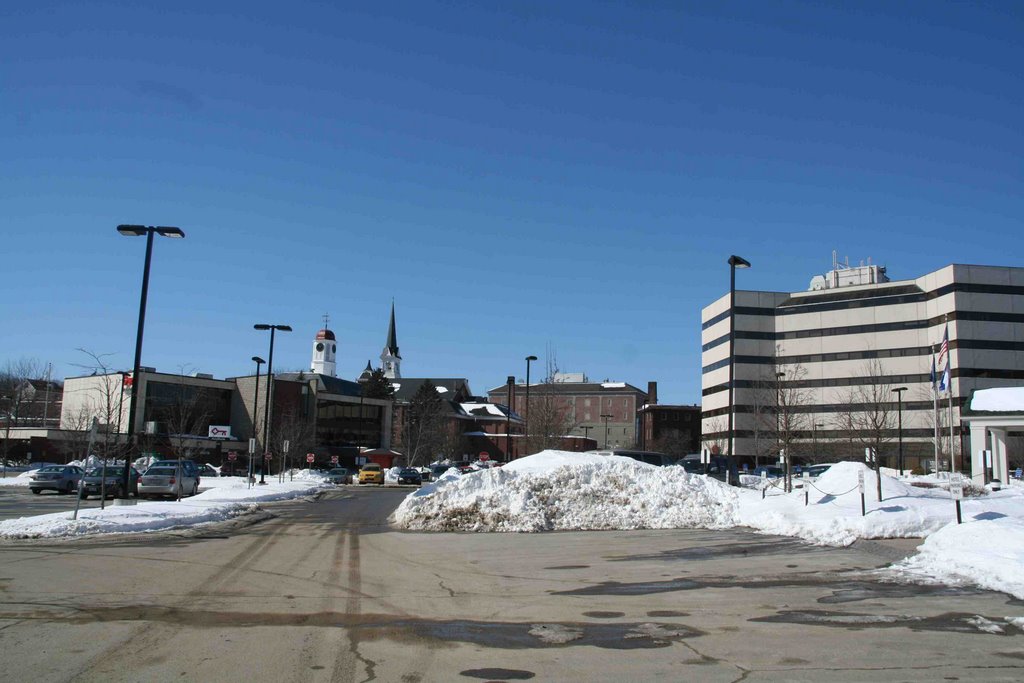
x: 221, y: 498
x: 557, y: 490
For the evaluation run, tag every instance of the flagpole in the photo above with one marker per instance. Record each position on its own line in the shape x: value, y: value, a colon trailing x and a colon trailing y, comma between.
x: 935, y: 416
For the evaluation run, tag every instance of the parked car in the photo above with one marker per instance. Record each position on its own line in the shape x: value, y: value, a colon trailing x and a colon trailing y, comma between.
x: 339, y: 475
x: 188, y: 466
x: 408, y: 475
x: 59, y: 478
x: 437, y: 470
x: 169, y: 480
x: 93, y: 482
x: 773, y: 471
x: 815, y: 471
x: 207, y: 471
x: 371, y: 473
x: 649, y: 457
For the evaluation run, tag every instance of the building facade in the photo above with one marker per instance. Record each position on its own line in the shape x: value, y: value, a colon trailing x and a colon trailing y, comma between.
x: 813, y: 368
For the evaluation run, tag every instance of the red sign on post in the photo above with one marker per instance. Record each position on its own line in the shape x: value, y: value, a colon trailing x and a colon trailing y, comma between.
x: 267, y: 456
x: 334, y: 460
x: 310, y: 457
x: 484, y: 457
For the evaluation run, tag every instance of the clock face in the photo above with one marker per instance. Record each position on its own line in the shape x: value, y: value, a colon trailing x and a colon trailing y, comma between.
x: 319, y: 346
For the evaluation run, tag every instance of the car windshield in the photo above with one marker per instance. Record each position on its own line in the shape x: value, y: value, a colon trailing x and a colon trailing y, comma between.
x: 52, y: 469
x: 409, y: 471
x: 159, y: 471
x: 371, y: 467
x: 98, y: 472
x: 339, y: 470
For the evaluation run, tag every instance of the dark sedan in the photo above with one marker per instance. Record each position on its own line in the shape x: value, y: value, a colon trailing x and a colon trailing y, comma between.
x: 93, y: 484
x: 408, y: 475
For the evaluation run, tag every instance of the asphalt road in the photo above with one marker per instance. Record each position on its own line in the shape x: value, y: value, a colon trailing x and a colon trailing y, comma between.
x: 18, y: 501
x: 326, y: 591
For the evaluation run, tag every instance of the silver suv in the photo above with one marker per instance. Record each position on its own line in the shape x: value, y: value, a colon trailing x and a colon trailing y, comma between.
x: 176, y: 478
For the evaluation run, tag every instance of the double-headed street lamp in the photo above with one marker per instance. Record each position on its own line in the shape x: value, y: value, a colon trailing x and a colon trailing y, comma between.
x: 139, y: 231
x: 270, y: 385
x: 734, y: 263
x: 606, y: 417
x: 529, y: 359
x: 899, y: 412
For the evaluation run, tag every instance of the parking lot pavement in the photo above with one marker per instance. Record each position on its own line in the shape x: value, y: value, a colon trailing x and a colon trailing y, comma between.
x: 21, y: 502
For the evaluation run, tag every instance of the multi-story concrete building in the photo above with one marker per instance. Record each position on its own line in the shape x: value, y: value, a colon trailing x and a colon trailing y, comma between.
x: 806, y: 357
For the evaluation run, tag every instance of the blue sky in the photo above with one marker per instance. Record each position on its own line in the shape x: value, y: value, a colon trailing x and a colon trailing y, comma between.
x: 517, y: 176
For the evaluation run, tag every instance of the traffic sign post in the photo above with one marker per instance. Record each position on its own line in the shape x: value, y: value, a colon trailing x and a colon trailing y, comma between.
x: 310, y: 457
x: 956, y: 490
x: 860, y: 487
x: 334, y: 460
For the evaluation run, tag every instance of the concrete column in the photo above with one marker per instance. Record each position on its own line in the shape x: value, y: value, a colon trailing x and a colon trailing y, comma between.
x: 979, y: 442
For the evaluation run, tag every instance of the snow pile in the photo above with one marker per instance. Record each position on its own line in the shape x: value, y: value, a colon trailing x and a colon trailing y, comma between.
x: 216, y: 505
x: 833, y: 514
x: 989, y: 553
x: 557, y: 490
x: 18, y: 478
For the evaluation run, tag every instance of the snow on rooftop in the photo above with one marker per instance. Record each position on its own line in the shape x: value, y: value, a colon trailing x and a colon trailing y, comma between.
x: 1006, y: 399
x: 442, y: 390
x: 613, y: 385
x: 490, y: 408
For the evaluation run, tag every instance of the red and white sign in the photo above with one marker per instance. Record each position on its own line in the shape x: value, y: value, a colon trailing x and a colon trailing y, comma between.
x: 128, y: 380
x: 334, y: 460
x: 484, y: 457
x: 219, y: 432
x: 232, y: 456
x: 267, y: 456
x: 310, y: 457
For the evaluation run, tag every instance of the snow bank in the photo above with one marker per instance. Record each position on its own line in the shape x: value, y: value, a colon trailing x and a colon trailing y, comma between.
x: 215, y: 505
x: 18, y: 479
x: 556, y: 490
x: 988, y: 553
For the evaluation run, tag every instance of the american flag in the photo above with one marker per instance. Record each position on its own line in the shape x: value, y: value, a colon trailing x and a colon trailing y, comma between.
x: 944, y: 347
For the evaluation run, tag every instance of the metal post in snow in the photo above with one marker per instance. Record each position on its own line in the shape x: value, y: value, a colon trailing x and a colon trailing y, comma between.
x: 81, y: 480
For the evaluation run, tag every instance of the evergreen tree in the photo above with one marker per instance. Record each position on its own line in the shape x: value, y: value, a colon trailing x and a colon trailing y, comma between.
x: 378, y: 386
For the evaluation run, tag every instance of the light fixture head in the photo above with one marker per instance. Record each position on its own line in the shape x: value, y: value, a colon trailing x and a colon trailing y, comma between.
x: 531, y: 358
x: 177, y: 233
x: 132, y: 230
x: 284, y: 328
x: 738, y: 262
x: 261, y: 326
x: 258, y: 360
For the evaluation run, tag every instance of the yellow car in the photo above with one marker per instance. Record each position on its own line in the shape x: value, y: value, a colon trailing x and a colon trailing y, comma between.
x: 371, y: 473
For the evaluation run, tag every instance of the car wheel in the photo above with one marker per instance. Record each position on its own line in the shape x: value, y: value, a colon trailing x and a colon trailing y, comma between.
x: 36, y: 491
x: 69, y: 489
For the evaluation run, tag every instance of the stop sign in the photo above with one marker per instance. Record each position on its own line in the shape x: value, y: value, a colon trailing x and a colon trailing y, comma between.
x: 310, y: 457
x: 267, y: 456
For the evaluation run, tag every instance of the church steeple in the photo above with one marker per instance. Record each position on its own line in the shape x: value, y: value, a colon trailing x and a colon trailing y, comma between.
x: 390, y: 358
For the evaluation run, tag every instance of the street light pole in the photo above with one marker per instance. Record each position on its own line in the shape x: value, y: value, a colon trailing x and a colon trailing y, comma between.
x: 139, y: 231
x: 527, y: 420
x: 899, y: 412
x: 734, y: 263
x: 509, y: 383
x: 270, y: 386
x: 606, y: 417
x: 586, y: 430
x: 255, y: 408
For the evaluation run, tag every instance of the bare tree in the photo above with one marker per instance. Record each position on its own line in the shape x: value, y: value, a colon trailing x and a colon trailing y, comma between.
x: 300, y: 434
x: 716, y: 439
x: 549, y: 418
x: 791, y: 415
x: 426, y: 424
x: 107, y: 402
x: 869, y: 413
x: 16, y: 397
x: 186, y: 412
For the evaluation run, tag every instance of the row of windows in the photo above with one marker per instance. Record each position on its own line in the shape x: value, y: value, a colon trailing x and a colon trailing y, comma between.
x: 869, y: 298
x: 818, y: 383
x: 908, y: 406
x: 844, y: 294
x: 891, y: 434
x: 820, y: 357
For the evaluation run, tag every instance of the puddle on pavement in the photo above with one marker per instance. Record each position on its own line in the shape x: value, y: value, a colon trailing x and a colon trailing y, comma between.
x: 604, y: 615
x: 570, y: 566
x: 499, y: 674
x: 526, y: 635
x: 950, y: 622
x: 727, y: 550
x: 842, y: 590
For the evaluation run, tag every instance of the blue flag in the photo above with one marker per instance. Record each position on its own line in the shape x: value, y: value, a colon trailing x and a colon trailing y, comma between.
x: 932, y: 376
x: 944, y: 383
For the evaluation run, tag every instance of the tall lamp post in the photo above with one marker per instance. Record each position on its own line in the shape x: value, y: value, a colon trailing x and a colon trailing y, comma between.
x: 139, y: 231
x: 734, y: 263
x: 510, y: 382
x: 255, y: 410
x: 606, y: 417
x: 586, y: 430
x: 529, y: 359
x: 270, y: 386
x: 899, y: 413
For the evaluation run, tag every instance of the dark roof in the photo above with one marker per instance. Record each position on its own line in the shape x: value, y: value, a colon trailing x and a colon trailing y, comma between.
x: 323, y: 335
x: 366, y: 374
x: 574, y: 388
x: 457, y: 388
x: 332, y: 385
